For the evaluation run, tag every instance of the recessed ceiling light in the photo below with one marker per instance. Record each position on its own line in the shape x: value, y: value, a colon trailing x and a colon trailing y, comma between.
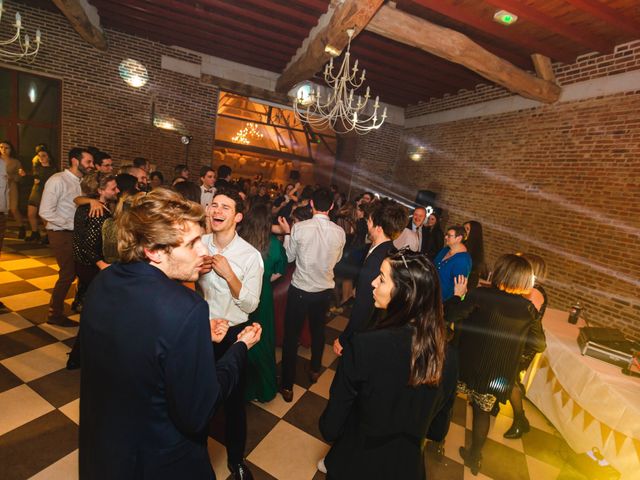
x: 504, y: 17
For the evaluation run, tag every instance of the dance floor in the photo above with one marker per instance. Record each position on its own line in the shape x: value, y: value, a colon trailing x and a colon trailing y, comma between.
x: 39, y: 403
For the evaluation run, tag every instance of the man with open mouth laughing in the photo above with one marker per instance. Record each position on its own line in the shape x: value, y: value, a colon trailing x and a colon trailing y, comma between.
x: 232, y: 289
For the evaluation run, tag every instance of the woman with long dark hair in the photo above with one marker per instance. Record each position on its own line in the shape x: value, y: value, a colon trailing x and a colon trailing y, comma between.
x: 474, y: 242
x: 393, y: 380
x: 494, y: 324
x: 434, y: 240
x: 261, y: 369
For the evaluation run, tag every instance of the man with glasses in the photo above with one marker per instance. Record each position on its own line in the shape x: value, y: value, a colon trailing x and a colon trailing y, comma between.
x: 452, y: 260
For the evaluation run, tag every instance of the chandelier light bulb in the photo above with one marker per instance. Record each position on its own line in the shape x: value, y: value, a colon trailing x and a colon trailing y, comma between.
x: 17, y: 47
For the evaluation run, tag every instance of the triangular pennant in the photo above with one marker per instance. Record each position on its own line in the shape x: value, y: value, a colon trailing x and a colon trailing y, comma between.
x: 576, y: 410
x: 565, y: 397
x: 605, y: 431
x: 544, y: 363
x: 549, y: 375
x: 636, y: 443
x: 588, y: 418
x: 619, y: 438
x: 556, y: 386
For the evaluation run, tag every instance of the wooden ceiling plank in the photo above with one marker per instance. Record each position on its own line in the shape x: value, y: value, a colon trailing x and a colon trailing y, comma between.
x: 227, y: 24
x: 245, y: 90
x: 556, y: 25
x: 458, y: 48
x: 111, y: 12
x: 310, y: 59
x: 494, y: 30
x: 543, y: 67
x: 159, y: 17
x: 609, y: 15
x: 255, y: 16
x: 283, y: 11
x: 80, y: 17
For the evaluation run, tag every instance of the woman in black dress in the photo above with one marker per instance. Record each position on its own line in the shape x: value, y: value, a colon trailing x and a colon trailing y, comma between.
x: 474, y: 241
x: 494, y: 325
x: 538, y: 297
x: 393, y: 380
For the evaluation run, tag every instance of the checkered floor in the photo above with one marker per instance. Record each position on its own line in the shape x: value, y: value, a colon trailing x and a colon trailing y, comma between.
x: 39, y: 403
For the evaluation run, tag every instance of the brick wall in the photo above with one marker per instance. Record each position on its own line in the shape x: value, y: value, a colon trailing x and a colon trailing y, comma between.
x: 99, y: 109
x: 560, y: 180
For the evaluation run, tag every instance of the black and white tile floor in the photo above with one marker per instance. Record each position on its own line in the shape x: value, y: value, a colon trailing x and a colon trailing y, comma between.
x: 39, y: 403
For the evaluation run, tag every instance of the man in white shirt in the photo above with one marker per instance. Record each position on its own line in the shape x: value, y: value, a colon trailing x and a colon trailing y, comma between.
x: 316, y: 246
x: 207, y: 190
x: 232, y: 289
x: 58, y: 209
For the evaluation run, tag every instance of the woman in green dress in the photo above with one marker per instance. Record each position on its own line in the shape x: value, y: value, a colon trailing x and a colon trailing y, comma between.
x: 261, y: 369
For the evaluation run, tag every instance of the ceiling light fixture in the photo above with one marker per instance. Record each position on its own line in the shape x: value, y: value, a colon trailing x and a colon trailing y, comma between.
x: 504, y: 17
x: 244, y: 135
x: 337, y: 110
x: 21, y: 47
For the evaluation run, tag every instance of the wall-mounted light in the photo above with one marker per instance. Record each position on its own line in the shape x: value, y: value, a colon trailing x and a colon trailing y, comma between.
x: 133, y: 73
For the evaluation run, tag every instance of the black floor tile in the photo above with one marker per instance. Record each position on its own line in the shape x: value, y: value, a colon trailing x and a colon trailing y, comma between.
x: 16, y: 288
x: 259, y: 424
x: 502, y: 462
x: 546, y: 447
x: 58, y: 388
x: 330, y: 334
x: 34, y: 446
x: 8, y: 380
x: 306, y: 413
x: 24, y: 340
x: 258, y: 473
x: 47, y: 260
x: 34, y: 272
x: 443, y: 468
x: 35, y: 315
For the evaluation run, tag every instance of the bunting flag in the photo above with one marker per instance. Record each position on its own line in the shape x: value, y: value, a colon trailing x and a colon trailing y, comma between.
x: 619, y: 438
x: 550, y: 375
x: 564, y: 397
x: 576, y: 410
x: 588, y: 418
x: 636, y: 443
x: 556, y: 386
x: 605, y: 431
x: 544, y: 363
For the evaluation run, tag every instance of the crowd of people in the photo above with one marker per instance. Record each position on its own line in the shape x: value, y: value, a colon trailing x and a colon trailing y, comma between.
x: 426, y: 318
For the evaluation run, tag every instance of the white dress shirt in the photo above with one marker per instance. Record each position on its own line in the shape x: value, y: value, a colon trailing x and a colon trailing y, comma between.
x: 57, y: 206
x: 206, y: 195
x: 408, y: 238
x: 246, y: 262
x: 316, y: 246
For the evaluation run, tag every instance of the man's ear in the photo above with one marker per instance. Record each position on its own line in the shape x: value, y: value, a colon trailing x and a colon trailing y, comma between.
x: 238, y: 218
x: 155, y: 256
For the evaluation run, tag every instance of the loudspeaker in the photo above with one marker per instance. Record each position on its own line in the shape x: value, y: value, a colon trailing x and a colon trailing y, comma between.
x: 426, y: 198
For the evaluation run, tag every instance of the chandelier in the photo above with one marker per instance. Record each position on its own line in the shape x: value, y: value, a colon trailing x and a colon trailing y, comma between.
x: 340, y: 110
x: 21, y: 46
x: 244, y: 135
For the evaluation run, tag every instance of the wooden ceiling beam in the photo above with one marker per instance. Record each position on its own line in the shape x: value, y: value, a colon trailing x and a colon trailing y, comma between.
x: 458, y: 48
x: 85, y: 20
x: 114, y: 11
x: 312, y: 56
x: 245, y: 90
x: 555, y: 25
x: 492, y: 29
x: 543, y: 67
x: 608, y: 15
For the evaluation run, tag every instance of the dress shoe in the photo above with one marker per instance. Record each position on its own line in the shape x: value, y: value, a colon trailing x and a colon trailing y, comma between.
x: 76, y: 306
x: 45, y: 240
x: 313, y: 376
x: 33, y: 237
x: 240, y: 471
x: 519, y: 427
x: 72, y: 364
x: 61, y: 321
x: 474, y: 462
x: 287, y: 394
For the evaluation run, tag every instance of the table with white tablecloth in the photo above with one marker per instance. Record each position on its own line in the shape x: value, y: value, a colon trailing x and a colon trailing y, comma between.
x: 591, y: 402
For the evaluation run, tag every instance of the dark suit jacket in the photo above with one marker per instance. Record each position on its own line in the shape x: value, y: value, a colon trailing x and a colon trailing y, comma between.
x: 149, y: 382
x: 363, y: 305
x: 376, y: 421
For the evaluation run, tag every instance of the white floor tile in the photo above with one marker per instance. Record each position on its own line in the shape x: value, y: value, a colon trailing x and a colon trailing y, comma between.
x: 21, y: 405
x: 64, y: 469
x: 39, y: 362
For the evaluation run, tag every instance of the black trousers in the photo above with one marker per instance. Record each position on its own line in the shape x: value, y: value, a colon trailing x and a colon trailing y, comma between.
x: 301, y: 305
x: 86, y: 274
x: 235, y: 415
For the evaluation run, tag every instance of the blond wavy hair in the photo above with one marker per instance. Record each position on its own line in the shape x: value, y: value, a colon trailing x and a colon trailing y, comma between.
x: 154, y: 221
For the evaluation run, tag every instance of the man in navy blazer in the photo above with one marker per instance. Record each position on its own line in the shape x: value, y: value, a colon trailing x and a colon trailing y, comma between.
x: 386, y: 219
x: 149, y: 382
